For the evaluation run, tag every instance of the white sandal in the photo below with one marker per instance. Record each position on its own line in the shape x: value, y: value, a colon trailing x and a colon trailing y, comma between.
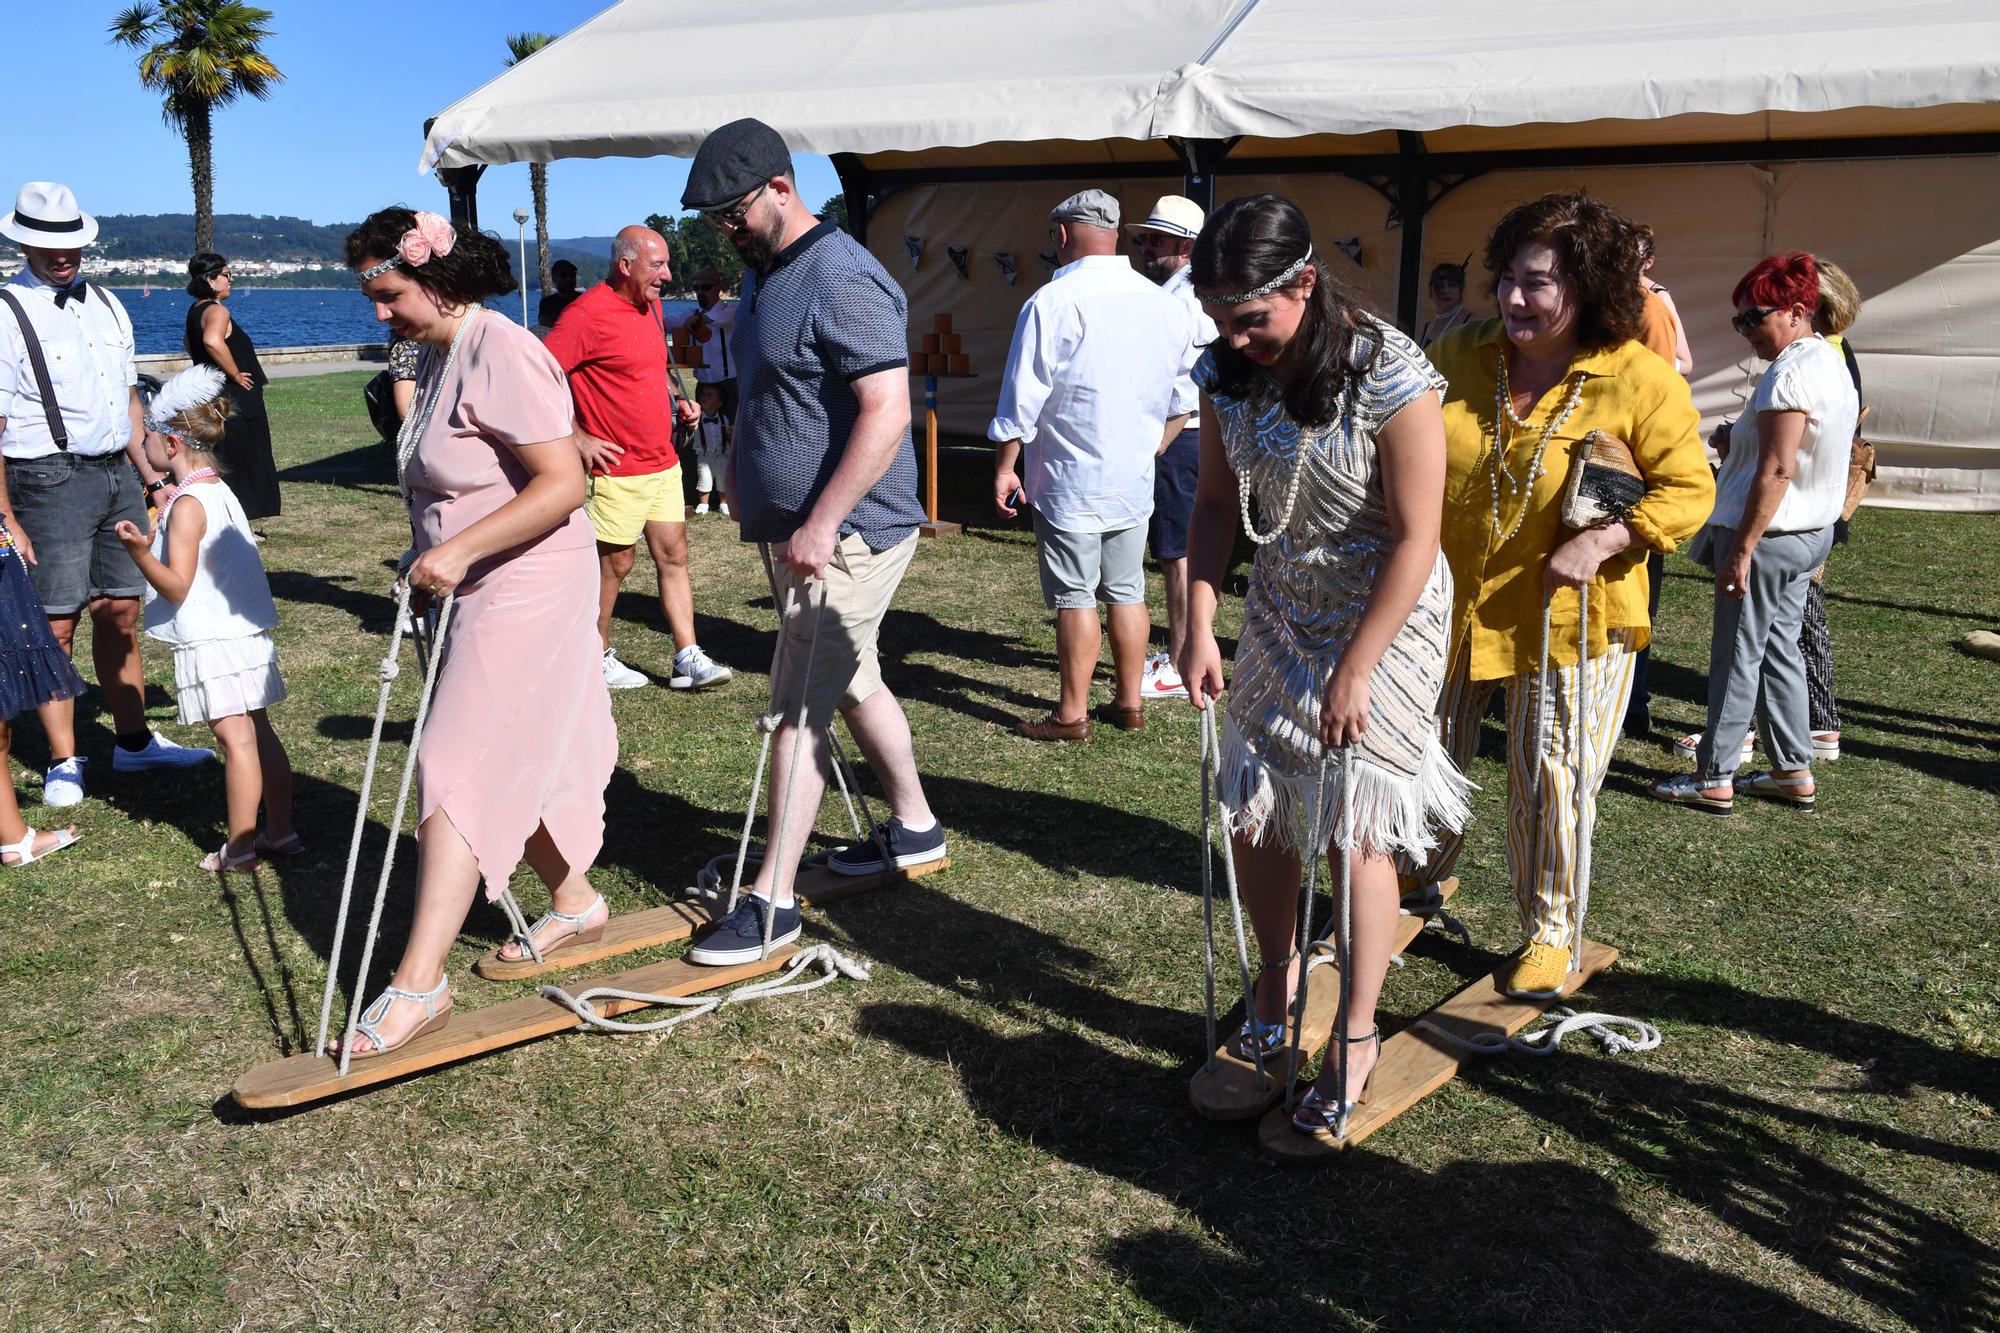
x: 370, y: 1023
x: 1781, y: 789
x: 220, y: 862
x: 577, y: 933
x: 25, y: 848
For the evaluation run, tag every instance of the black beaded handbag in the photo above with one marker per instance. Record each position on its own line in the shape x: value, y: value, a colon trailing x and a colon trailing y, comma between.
x: 1604, y: 482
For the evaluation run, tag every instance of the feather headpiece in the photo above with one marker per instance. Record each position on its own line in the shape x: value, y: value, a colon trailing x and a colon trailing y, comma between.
x: 193, y: 387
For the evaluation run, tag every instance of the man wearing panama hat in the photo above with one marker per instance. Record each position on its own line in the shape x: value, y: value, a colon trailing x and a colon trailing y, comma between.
x: 1164, y: 242
x: 71, y: 437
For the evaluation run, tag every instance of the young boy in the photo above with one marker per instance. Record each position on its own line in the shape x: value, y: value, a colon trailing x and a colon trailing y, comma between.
x: 711, y: 444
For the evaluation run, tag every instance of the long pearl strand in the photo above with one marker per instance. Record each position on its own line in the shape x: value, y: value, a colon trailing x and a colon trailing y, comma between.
x: 1299, y: 447
x: 419, y: 419
x: 1505, y: 422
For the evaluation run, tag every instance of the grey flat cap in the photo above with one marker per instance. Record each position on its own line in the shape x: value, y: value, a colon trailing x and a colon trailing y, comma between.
x: 1093, y: 208
x: 731, y: 162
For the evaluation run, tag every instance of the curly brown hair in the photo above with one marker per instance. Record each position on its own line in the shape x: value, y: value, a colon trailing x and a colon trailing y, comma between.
x: 1597, y: 249
x: 476, y: 269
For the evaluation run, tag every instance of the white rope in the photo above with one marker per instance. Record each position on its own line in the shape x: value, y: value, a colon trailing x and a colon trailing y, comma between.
x: 517, y: 920
x: 354, y: 999
x: 1308, y: 891
x: 1544, y: 1041
x: 1210, y: 802
x: 831, y: 963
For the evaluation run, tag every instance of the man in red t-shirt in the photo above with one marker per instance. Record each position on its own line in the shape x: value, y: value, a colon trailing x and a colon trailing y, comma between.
x: 611, y: 342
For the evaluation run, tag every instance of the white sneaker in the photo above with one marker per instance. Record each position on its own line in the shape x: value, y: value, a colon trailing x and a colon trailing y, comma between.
x: 618, y: 676
x: 696, y: 670
x: 723, y: 510
x: 701, y: 508
x: 62, y: 785
x: 159, y: 753
x: 1161, y: 681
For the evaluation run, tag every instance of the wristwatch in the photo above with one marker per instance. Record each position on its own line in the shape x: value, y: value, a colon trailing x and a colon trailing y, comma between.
x: 157, y: 484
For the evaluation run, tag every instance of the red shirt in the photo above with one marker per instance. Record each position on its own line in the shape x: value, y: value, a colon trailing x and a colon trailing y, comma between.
x: 615, y: 355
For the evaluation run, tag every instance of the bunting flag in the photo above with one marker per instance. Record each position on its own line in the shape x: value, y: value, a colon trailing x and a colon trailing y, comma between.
x: 1351, y: 247
x: 1049, y: 257
x: 961, y: 259
x: 1005, y: 259
x: 915, y: 245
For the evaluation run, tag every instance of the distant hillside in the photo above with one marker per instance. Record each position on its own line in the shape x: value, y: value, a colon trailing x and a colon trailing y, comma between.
x: 238, y: 235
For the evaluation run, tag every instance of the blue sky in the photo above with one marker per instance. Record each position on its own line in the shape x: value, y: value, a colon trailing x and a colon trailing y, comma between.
x: 339, y: 137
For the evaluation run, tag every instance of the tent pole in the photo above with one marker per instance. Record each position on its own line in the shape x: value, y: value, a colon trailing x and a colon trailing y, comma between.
x: 854, y: 186
x: 1199, y: 160
x: 1413, y: 190
x: 463, y: 185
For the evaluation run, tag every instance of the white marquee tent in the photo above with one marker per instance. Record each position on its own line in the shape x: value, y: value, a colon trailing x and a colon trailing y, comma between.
x: 1865, y: 130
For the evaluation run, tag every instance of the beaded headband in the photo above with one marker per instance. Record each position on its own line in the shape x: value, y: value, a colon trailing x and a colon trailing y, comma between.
x: 377, y: 270
x: 1298, y: 266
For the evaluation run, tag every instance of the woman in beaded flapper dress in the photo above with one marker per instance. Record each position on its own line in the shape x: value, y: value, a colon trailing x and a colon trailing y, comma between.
x: 1329, y: 420
x: 1524, y: 389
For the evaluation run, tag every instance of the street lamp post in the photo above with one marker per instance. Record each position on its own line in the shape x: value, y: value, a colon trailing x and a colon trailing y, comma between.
x: 521, y: 216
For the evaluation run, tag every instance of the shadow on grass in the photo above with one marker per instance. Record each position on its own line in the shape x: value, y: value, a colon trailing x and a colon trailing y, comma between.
x: 1375, y: 1240
x: 367, y: 467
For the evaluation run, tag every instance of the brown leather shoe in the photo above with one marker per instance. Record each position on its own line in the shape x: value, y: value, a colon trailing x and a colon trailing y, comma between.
x: 1049, y: 729
x: 1125, y: 719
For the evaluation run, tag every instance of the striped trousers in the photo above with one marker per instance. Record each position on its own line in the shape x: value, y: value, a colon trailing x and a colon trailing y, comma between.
x: 1541, y: 835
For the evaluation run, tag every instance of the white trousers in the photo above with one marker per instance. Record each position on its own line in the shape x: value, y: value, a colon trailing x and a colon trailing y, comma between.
x: 1541, y: 834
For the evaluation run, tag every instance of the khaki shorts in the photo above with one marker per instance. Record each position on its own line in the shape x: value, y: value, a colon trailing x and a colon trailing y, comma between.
x: 845, y: 669
x: 619, y: 508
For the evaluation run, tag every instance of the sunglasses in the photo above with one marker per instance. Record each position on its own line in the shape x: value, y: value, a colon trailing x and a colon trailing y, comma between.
x: 733, y: 217
x: 1746, y: 322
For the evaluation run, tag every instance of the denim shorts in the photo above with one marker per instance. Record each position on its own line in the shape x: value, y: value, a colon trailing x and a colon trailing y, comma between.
x: 69, y: 507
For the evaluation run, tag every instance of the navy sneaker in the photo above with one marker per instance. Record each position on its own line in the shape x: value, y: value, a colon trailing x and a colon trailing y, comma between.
x: 906, y: 849
x: 739, y: 937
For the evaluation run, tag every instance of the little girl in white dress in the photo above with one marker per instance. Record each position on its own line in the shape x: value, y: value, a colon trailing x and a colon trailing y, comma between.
x: 208, y: 598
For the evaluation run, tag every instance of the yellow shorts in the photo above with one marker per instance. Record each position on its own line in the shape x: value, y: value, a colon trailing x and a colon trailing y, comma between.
x: 619, y: 508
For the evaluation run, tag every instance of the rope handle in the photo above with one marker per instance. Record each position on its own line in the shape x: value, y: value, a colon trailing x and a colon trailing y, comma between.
x: 1545, y: 1041
x: 831, y: 963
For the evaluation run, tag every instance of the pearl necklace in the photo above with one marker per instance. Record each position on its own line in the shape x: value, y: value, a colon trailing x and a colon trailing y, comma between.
x: 1291, y: 497
x: 1505, y: 422
x: 419, y: 419
x: 176, y: 489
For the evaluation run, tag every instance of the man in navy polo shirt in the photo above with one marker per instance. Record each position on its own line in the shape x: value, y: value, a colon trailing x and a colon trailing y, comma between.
x: 823, y: 474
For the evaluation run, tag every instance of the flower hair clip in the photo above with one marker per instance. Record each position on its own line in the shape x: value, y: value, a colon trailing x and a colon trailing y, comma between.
x: 432, y: 237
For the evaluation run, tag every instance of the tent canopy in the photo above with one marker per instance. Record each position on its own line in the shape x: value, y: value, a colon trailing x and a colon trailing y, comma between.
x: 897, y: 77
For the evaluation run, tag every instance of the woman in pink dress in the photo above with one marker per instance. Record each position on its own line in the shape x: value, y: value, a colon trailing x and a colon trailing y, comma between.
x: 519, y: 743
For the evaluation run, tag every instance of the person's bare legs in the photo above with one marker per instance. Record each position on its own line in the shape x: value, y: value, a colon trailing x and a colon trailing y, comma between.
x: 569, y: 891
x: 114, y: 651
x: 1174, y: 578
x: 1376, y: 904
x: 1078, y: 640
x: 882, y: 733
x: 242, y: 779
x: 277, y: 772
x: 613, y: 564
x: 1268, y: 878
x: 1131, y: 627
x: 668, y: 543
x: 447, y: 879
x: 801, y: 794
x: 12, y: 827
x: 58, y: 716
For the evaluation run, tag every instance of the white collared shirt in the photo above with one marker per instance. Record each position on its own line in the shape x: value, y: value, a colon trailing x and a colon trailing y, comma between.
x: 1187, y: 398
x: 718, y: 358
x: 88, y: 347
x: 1088, y: 389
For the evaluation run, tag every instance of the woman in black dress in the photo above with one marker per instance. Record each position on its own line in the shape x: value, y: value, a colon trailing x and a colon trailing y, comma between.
x: 214, y: 339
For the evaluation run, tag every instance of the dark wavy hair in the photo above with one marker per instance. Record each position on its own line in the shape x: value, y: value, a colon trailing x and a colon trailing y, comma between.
x: 201, y: 268
x: 1245, y: 244
x: 1597, y: 249
x: 476, y: 270
x: 1780, y: 280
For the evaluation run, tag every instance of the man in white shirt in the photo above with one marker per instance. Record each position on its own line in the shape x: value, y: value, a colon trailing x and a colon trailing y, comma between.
x: 71, y: 437
x: 718, y: 358
x: 1165, y: 241
x: 1086, y: 406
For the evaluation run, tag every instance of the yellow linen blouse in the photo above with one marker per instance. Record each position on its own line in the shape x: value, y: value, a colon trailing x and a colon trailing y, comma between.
x: 1628, y: 392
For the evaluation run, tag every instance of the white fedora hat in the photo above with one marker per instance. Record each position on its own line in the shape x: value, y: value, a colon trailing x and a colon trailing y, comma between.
x: 46, y: 216
x: 1174, y: 214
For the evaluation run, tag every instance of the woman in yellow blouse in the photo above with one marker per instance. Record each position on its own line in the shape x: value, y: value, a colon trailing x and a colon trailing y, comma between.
x: 1559, y: 362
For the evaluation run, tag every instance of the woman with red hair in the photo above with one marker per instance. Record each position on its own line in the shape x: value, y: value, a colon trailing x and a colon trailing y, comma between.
x: 1776, y: 500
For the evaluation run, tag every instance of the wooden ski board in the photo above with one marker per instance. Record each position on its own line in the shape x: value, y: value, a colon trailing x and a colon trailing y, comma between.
x: 1229, y: 1087
x: 309, y: 1078
x: 633, y: 931
x: 1416, y: 1063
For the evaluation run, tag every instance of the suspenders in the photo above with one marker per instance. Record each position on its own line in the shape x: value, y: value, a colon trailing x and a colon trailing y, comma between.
x: 40, y: 365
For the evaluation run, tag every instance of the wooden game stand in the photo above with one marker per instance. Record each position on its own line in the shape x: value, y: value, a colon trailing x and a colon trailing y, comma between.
x: 1415, y: 1062
x: 1229, y: 1087
x: 941, y: 358
x: 306, y: 1078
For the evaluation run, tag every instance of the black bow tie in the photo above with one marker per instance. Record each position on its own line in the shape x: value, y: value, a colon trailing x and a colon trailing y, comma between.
x: 76, y: 291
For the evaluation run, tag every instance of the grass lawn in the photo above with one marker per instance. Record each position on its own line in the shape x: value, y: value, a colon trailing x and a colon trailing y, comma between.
x: 993, y: 1133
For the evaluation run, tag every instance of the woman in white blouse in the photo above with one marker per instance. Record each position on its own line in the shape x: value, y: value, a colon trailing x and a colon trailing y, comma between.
x: 1776, y: 501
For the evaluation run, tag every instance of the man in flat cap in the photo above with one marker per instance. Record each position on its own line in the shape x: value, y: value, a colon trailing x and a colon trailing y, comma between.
x: 73, y: 441
x: 1086, y: 406
x: 823, y: 475
x: 1165, y: 242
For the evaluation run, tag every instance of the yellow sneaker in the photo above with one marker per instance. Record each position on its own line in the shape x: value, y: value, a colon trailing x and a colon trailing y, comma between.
x: 1539, y: 972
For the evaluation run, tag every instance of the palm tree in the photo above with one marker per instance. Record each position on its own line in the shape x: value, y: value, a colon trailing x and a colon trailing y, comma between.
x: 521, y: 45
x: 199, y: 55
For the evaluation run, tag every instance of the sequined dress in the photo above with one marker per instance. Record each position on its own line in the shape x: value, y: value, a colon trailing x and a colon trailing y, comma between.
x: 1308, y: 590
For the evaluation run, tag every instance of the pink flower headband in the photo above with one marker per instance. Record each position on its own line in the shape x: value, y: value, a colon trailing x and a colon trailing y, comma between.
x: 431, y: 237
